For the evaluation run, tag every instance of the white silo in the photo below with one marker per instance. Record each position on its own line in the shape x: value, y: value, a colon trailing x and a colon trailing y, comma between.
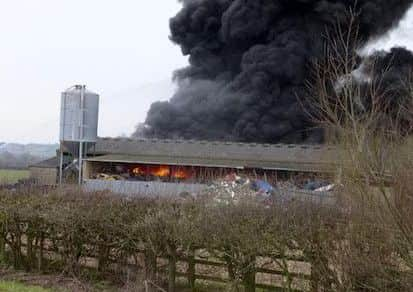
x: 79, y: 114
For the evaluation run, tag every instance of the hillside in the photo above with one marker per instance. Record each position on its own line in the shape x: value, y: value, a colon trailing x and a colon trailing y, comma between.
x: 14, y: 155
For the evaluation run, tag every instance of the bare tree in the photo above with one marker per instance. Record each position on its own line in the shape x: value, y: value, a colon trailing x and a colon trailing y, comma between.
x: 369, y: 119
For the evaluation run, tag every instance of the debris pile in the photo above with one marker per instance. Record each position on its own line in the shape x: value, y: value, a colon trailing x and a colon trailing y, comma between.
x: 233, y: 188
x: 318, y: 186
x: 109, y: 177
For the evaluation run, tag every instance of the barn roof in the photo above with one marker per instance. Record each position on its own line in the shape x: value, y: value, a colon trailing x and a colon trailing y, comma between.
x: 215, y: 154
x: 48, y: 163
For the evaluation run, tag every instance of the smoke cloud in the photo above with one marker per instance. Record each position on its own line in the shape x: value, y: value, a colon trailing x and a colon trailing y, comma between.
x: 249, y: 60
x: 392, y: 76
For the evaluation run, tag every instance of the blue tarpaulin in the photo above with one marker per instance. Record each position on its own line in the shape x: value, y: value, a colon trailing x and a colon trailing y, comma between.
x: 262, y: 186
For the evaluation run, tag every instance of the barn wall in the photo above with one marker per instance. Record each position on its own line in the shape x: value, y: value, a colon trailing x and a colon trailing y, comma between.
x: 153, y: 189
x: 44, y: 176
x: 199, y: 175
x: 90, y: 168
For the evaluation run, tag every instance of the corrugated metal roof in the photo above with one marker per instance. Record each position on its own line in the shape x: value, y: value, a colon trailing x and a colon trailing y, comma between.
x: 50, y: 163
x: 216, y: 154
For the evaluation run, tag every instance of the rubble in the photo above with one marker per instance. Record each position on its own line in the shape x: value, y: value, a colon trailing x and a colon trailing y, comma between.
x: 327, y: 188
x: 233, y: 188
x: 107, y: 177
x: 314, y: 185
x: 262, y: 187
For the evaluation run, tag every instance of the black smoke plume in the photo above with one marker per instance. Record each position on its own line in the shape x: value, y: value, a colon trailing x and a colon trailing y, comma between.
x: 391, y: 75
x: 249, y: 60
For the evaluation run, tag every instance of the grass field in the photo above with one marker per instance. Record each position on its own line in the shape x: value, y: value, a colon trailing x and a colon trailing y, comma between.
x: 7, y: 286
x: 9, y: 176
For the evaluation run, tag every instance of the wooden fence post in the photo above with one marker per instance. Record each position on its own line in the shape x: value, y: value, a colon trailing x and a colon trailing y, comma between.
x: 191, y: 270
x: 172, y: 269
x: 30, y: 253
x: 41, y: 250
x: 103, y: 258
x: 17, y: 246
x: 249, y: 278
x: 3, y: 235
x: 249, y: 282
x: 150, y: 266
x: 230, y: 268
x: 2, y: 248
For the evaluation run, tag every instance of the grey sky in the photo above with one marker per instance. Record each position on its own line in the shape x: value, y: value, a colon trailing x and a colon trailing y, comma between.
x: 119, y: 48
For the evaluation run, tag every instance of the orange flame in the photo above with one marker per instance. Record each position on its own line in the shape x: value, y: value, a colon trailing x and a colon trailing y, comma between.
x: 138, y: 171
x: 162, y: 171
x: 181, y: 174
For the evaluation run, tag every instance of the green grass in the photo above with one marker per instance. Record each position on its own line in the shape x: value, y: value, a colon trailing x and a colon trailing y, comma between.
x: 9, y: 176
x: 7, y: 286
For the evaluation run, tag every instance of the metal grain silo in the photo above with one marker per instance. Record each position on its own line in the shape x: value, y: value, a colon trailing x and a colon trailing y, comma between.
x: 79, y: 114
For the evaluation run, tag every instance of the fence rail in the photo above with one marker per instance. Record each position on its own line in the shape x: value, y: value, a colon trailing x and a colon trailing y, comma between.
x: 191, y: 274
x: 160, y: 240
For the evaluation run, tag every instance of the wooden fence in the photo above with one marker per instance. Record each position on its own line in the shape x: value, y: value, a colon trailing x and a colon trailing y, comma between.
x: 289, y: 273
x: 266, y: 274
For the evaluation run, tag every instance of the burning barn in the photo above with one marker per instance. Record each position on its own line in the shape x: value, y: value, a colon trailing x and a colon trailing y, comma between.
x: 166, y: 167
x: 250, y: 63
x: 151, y: 166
